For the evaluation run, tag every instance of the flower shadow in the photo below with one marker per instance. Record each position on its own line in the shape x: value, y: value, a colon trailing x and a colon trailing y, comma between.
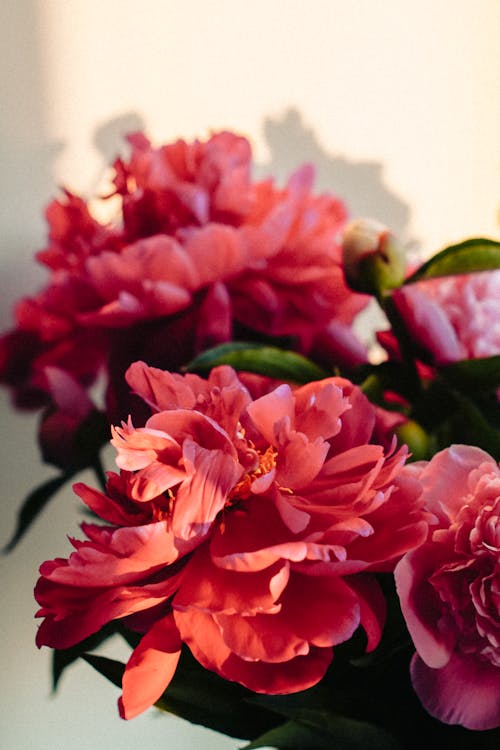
x: 360, y: 184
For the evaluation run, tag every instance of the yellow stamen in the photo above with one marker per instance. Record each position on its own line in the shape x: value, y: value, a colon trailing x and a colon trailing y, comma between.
x: 243, y: 489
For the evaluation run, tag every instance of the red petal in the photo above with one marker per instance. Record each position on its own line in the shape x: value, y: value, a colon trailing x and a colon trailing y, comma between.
x: 150, y: 668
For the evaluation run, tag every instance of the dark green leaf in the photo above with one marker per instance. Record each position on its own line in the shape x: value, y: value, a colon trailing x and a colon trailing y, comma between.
x: 473, y: 373
x: 468, y: 424
x: 34, y: 504
x: 202, y: 697
x: 291, y: 736
x: 476, y: 254
x: 110, y: 668
x: 314, y: 730
x: 264, y: 360
x: 386, y: 376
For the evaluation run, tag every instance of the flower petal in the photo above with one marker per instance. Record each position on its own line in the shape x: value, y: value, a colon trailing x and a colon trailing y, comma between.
x: 150, y: 668
x: 465, y: 691
x: 203, y: 636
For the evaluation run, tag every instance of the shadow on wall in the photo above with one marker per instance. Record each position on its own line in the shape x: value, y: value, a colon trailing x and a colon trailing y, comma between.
x: 26, y: 152
x: 110, y: 141
x: 291, y: 143
x: 359, y: 183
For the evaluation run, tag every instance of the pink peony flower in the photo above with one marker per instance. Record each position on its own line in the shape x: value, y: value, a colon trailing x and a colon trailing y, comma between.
x: 450, y: 591
x: 200, y: 255
x: 246, y: 528
x: 453, y: 318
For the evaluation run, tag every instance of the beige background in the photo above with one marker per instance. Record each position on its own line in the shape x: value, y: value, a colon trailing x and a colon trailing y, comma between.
x: 398, y: 104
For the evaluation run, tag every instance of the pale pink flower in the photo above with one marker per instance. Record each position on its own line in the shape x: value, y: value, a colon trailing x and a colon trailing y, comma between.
x: 450, y: 590
x: 453, y: 318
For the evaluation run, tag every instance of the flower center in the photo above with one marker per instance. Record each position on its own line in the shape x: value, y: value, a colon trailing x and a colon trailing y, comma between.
x: 266, y: 462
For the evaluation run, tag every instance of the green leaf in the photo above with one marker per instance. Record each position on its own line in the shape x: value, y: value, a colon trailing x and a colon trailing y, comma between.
x: 110, y: 668
x: 476, y: 254
x: 202, y: 697
x: 34, y: 504
x: 261, y: 359
x: 314, y: 730
x: 474, y: 428
x: 291, y: 736
x: 473, y: 373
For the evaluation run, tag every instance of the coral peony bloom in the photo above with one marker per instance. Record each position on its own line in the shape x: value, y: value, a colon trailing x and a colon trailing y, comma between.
x: 450, y: 591
x: 247, y: 528
x: 199, y: 255
x: 453, y: 318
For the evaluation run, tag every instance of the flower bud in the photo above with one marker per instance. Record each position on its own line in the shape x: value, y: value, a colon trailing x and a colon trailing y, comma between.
x: 374, y: 259
x: 416, y: 438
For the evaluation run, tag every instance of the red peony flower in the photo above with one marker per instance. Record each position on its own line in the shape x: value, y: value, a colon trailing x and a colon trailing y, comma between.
x: 200, y: 255
x: 450, y: 591
x: 247, y: 528
x: 453, y: 318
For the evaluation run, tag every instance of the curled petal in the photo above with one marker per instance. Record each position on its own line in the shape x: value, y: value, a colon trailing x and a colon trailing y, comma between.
x: 464, y: 691
x: 204, y: 638
x: 150, y: 668
x: 210, y: 475
x: 208, y: 587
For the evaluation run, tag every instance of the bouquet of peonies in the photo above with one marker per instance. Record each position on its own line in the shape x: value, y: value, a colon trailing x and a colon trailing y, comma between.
x: 301, y: 546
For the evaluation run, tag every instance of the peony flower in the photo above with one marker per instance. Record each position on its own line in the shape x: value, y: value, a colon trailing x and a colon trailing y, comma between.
x: 199, y: 255
x: 248, y: 528
x: 450, y: 591
x: 453, y: 318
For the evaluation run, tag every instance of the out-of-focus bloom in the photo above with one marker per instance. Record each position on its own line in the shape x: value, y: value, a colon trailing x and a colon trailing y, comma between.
x: 199, y: 255
x: 374, y: 259
x: 247, y: 528
x: 453, y: 318
x: 450, y: 591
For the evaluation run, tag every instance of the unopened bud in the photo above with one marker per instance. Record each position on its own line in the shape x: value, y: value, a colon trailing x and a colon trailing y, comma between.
x: 374, y: 259
x: 419, y: 442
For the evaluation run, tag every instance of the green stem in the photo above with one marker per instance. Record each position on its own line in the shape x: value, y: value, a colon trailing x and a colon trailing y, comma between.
x: 99, y: 472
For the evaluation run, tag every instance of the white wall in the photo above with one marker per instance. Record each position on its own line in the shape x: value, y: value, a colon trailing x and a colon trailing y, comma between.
x: 398, y: 104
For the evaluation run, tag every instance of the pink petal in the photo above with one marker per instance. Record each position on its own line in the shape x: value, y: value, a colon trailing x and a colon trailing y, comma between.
x: 150, y: 668
x: 319, y: 407
x: 72, y: 614
x: 126, y: 555
x: 445, y: 479
x: 215, y: 318
x: 338, y: 344
x: 427, y: 324
x: 465, y: 691
x: 372, y: 607
x: 261, y: 637
x: 105, y: 507
x: 182, y: 424
x: 203, y: 637
x: 160, y: 389
x: 357, y: 422
x: 69, y: 396
x: 164, y: 298
x: 300, y: 461
x: 272, y: 412
x: 421, y: 605
x: 216, y: 251
x: 210, y: 476
x: 253, y: 537
x: 210, y: 588
x: 321, y: 609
